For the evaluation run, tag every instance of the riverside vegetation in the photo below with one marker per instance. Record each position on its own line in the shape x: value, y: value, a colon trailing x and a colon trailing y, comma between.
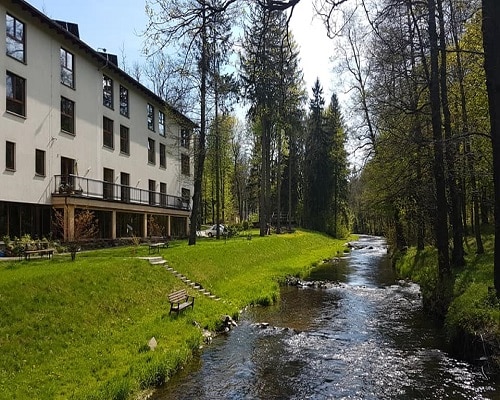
x: 80, y: 330
x: 472, y: 322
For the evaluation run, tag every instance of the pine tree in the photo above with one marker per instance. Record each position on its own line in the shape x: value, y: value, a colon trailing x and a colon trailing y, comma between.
x: 271, y: 82
x: 338, y: 222
x: 318, y: 180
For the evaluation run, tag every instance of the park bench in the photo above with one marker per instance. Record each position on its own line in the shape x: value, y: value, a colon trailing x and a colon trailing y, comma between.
x: 155, y: 247
x: 179, y: 300
x: 40, y: 248
x: 40, y: 252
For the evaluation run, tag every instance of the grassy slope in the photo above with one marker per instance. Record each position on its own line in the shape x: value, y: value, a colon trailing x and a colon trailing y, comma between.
x: 474, y: 310
x: 80, y: 329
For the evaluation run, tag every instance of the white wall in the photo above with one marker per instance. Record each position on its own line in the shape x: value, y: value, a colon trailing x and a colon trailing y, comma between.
x: 41, y: 127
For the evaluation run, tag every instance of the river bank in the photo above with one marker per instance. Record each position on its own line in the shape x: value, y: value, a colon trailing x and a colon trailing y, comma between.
x: 472, y: 321
x: 84, y: 329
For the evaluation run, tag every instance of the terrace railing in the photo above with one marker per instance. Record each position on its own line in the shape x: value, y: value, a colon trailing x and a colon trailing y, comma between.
x: 73, y: 185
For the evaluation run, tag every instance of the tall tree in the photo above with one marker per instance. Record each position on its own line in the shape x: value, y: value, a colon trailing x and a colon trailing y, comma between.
x: 222, y: 85
x: 441, y: 215
x: 268, y: 63
x: 353, y: 48
x: 491, y: 35
x: 326, y: 169
x: 339, y: 224
x: 464, y: 127
x: 319, y: 169
x: 186, y: 22
x: 451, y: 148
x: 259, y: 79
x: 290, y: 111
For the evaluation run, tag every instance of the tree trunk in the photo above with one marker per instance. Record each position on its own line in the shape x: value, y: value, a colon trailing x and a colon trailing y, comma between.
x: 417, y: 137
x: 419, y: 206
x: 217, y: 156
x: 455, y: 209
x: 201, y: 148
x: 398, y: 227
x: 469, y: 162
x: 440, y: 219
x: 264, y: 173
x: 491, y: 35
x: 278, y: 182
x: 290, y: 163
x: 469, y: 165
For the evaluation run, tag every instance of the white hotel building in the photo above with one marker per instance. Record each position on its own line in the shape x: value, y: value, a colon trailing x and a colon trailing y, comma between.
x: 77, y: 132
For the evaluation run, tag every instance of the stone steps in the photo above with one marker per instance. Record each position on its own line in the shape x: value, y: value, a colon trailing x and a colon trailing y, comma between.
x: 158, y: 260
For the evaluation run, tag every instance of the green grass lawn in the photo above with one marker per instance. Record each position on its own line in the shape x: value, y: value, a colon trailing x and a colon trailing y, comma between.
x: 80, y: 329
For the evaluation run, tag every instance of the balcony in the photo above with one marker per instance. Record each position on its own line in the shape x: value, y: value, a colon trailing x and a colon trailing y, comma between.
x: 77, y: 186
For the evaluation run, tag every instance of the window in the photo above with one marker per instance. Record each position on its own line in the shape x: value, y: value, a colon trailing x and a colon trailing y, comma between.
x: 15, y: 38
x: 124, y: 140
x: 151, y: 117
x: 10, y: 156
x: 124, y: 101
x: 107, y: 91
x: 163, y: 193
x: 184, y: 164
x: 161, y: 123
x: 152, y: 194
x: 67, y: 77
x: 67, y: 173
x: 107, y: 132
x: 67, y: 115
x: 125, y: 187
x: 16, y: 94
x: 163, y: 156
x: 186, y: 197
x: 185, y: 138
x: 107, y: 186
x: 40, y: 162
x: 151, y: 151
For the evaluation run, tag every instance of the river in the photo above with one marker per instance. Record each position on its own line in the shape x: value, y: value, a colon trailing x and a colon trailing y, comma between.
x: 360, y: 334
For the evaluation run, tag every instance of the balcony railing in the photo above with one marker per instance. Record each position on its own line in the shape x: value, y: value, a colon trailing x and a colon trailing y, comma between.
x: 73, y: 185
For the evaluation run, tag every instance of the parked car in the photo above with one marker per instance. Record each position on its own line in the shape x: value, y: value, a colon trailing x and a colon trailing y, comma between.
x: 212, y: 231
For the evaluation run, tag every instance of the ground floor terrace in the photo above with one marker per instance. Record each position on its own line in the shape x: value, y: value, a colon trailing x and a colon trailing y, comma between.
x: 119, y: 211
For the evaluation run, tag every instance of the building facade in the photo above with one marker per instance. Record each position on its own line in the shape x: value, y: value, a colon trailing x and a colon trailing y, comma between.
x: 78, y: 133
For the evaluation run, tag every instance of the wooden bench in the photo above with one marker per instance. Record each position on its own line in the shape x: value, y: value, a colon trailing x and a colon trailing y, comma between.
x: 40, y: 252
x: 155, y: 247
x: 179, y: 300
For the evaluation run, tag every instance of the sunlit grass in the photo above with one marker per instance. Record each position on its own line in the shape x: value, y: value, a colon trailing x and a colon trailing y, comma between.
x: 80, y: 329
x: 474, y: 309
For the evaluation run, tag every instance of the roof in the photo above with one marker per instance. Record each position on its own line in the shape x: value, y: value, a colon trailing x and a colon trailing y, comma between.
x: 101, y: 59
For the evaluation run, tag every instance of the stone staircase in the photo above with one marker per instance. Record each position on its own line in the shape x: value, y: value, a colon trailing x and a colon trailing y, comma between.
x: 159, y: 260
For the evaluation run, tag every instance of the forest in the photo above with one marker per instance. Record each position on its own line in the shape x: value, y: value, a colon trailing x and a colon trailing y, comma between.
x: 422, y: 126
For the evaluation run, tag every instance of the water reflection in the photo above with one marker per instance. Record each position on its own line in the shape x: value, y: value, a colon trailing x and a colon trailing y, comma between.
x: 363, y: 338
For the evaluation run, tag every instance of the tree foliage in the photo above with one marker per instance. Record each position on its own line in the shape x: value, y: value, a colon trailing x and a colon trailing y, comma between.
x: 423, y: 118
x: 85, y: 226
x: 272, y: 84
x: 430, y: 173
x: 325, y: 169
x: 197, y: 30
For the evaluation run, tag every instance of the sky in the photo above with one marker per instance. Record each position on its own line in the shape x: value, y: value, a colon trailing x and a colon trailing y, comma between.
x: 116, y: 25
x: 315, y: 47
